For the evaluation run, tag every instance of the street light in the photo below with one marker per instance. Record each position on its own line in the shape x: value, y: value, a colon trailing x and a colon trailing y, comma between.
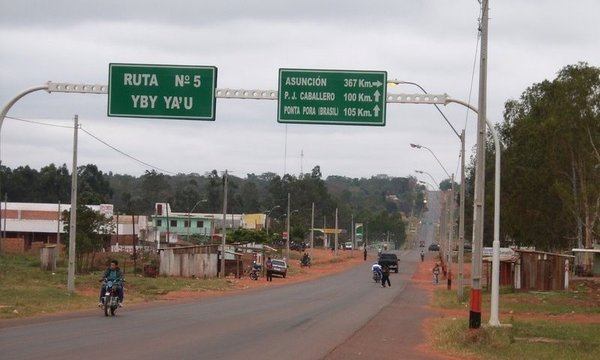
x: 432, y: 178
x: 427, y: 184
x: 450, y: 217
x: 461, y: 224
x: 268, y: 213
x: 189, y: 224
x: 417, y: 146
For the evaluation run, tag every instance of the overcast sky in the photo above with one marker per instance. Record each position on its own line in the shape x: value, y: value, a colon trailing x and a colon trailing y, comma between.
x: 432, y: 43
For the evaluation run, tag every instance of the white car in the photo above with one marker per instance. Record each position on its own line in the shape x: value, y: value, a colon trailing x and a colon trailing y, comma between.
x: 348, y: 245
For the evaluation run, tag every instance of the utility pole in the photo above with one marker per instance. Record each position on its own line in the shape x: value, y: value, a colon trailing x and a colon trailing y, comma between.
x: 287, y: 241
x: 134, y: 242
x: 73, y: 219
x: 478, y: 212
x: 224, y: 227
x: 312, y: 229
x: 461, y: 224
x: 336, y: 233
x: 451, y: 235
x: 325, y: 238
x: 352, y: 235
x: 58, y: 229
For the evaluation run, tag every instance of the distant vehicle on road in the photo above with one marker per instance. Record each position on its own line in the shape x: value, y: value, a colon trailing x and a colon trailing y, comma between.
x: 434, y: 247
x: 348, y: 245
x: 279, y: 267
x: 391, y: 260
x: 422, y: 243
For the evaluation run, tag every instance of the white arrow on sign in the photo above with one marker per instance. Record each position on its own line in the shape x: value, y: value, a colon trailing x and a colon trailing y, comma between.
x: 377, y: 94
x: 377, y: 83
x: 376, y: 110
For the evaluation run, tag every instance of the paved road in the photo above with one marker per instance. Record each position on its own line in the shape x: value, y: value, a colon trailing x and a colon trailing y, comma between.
x: 301, y: 321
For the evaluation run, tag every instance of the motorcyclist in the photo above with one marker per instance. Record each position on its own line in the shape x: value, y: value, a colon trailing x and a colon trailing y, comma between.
x: 113, y: 273
x: 305, y: 259
x: 377, y: 270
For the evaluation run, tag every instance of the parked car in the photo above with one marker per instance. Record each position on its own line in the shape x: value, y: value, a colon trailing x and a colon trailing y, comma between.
x: 279, y: 267
x: 434, y: 247
x: 391, y: 260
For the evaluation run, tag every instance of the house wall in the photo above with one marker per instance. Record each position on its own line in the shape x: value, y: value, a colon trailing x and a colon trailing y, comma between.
x: 12, y: 245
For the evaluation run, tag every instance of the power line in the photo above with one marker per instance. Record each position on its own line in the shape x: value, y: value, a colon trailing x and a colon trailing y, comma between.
x: 40, y: 123
x: 125, y: 154
x: 97, y: 139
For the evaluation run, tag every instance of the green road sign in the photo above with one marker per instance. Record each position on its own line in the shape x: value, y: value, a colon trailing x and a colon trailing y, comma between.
x: 332, y: 97
x: 162, y: 91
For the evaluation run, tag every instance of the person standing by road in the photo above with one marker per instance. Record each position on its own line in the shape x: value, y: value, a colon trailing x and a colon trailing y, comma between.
x: 385, y: 276
x: 365, y: 254
x: 269, y: 267
x: 422, y: 256
x: 436, y: 274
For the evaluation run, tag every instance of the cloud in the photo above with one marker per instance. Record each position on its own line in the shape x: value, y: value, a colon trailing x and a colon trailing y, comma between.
x: 431, y: 43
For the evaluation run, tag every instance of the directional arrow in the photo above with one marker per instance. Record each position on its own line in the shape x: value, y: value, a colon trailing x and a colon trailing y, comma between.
x: 377, y: 94
x: 376, y: 110
x: 377, y: 83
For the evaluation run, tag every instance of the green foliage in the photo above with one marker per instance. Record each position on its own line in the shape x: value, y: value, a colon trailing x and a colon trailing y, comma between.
x: 93, y: 230
x: 551, y: 192
x: 379, y: 201
x: 247, y: 236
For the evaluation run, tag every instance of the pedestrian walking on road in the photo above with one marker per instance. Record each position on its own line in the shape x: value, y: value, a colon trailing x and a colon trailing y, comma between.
x: 365, y: 254
x: 385, y: 276
x: 436, y: 274
x: 422, y: 256
x: 269, y: 266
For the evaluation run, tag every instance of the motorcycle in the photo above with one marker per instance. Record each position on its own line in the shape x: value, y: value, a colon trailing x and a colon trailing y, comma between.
x: 254, y: 274
x: 110, y: 300
x: 305, y: 262
x: 377, y: 276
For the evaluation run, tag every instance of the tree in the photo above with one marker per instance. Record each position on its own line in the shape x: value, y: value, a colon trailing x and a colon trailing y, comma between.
x: 92, y: 187
x: 93, y: 231
x: 551, y: 187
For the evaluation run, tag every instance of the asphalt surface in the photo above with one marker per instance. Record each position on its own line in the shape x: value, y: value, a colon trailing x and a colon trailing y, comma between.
x: 396, y: 332
x: 342, y: 316
x: 301, y: 321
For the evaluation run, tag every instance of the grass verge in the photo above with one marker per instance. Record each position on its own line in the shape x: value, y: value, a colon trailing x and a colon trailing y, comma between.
x: 29, y: 291
x: 532, y: 338
x: 523, y: 340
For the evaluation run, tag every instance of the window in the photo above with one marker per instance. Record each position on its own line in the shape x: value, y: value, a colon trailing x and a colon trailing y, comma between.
x: 158, y: 222
x: 200, y: 224
x: 173, y: 223
x: 186, y: 224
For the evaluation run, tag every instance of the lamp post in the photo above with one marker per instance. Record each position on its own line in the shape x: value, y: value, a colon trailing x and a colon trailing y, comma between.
x: 269, y: 214
x: 482, y: 121
x: 461, y: 224
x: 417, y: 146
x: 287, y: 241
x: 426, y: 183
x: 189, y: 217
x: 432, y: 178
x: 450, y: 227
